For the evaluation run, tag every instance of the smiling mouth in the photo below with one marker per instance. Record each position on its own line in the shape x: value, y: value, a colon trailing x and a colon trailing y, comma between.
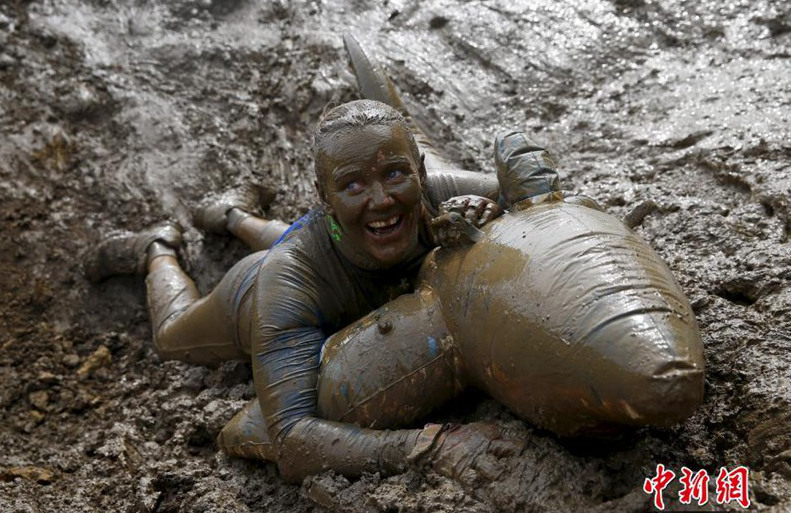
x: 385, y: 227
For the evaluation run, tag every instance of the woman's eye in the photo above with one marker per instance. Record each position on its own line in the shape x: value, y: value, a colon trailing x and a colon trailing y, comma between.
x: 353, y: 186
x: 395, y: 173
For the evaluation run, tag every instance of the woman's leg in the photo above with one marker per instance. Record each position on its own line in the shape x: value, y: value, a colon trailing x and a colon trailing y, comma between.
x: 231, y: 211
x: 259, y: 234
x: 186, y: 327
x: 205, y: 331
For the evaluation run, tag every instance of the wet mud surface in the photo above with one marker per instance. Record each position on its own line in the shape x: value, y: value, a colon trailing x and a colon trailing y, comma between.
x: 120, y: 114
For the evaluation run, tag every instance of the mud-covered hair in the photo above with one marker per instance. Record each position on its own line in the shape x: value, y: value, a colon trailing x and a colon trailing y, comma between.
x: 356, y: 114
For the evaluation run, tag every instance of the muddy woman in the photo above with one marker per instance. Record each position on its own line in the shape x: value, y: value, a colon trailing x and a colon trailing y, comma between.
x: 353, y: 319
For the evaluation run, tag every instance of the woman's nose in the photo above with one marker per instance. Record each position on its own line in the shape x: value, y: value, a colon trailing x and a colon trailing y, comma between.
x: 380, y: 196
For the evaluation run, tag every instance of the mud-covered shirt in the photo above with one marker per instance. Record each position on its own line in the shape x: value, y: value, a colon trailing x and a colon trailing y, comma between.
x: 306, y: 290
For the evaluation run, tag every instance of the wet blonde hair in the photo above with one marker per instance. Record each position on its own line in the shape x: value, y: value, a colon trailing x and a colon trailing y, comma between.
x: 354, y: 115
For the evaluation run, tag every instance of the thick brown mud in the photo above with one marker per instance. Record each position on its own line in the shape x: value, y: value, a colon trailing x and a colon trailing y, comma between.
x: 121, y: 114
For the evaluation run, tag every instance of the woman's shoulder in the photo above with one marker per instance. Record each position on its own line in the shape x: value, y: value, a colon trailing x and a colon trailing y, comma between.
x: 310, y: 225
x: 301, y: 270
x: 305, y: 246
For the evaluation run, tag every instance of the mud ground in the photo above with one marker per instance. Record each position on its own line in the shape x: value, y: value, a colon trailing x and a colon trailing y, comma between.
x: 118, y: 114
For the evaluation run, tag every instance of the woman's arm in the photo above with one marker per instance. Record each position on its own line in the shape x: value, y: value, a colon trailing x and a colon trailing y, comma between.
x: 446, y: 184
x: 524, y: 168
x: 287, y: 342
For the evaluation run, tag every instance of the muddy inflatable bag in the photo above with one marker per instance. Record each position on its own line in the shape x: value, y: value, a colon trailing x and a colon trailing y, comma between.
x: 559, y: 311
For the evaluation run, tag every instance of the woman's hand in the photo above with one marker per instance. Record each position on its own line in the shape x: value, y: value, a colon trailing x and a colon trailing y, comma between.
x: 472, y: 454
x: 476, y: 210
x: 460, y: 217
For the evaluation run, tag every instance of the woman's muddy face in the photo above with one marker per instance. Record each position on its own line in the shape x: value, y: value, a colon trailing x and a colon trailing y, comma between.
x: 371, y: 183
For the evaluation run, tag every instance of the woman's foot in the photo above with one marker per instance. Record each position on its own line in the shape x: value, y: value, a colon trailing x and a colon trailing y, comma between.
x: 212, y: 213
x: 127, y: 252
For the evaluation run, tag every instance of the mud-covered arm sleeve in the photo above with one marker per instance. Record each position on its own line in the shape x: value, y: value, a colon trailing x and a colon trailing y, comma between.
x: 286, y: 345
x: 446, y: 184
x: 315, y: 445
x: 524, y: 169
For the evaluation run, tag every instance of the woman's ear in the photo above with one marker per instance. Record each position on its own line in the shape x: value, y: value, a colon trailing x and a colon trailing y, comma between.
x: 322, y: 197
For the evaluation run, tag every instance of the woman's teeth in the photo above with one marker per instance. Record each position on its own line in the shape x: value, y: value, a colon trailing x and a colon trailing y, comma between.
x: 376, y: 225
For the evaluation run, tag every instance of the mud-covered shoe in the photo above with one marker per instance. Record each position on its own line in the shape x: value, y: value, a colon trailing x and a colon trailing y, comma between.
x: 212, y: 213
x: 126, y: 252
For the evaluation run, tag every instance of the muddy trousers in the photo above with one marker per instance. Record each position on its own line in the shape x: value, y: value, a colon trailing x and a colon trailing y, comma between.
x: 207, y: 331
x: 201, y: 331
